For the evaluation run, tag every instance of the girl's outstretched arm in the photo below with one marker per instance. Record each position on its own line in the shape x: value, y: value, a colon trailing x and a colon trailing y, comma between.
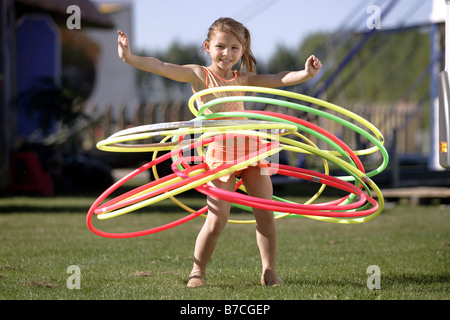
x: 185, y: 73
x: 286, y: 78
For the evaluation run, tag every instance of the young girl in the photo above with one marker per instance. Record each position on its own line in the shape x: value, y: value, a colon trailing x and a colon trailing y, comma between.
x: 228, y: 42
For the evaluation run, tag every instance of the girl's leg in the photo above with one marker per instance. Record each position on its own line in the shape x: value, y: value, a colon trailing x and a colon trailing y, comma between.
x: 216, y: 220
x: 260, y: 185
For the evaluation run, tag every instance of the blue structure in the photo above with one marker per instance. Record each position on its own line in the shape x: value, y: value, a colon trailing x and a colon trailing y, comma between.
x: 38, y: 57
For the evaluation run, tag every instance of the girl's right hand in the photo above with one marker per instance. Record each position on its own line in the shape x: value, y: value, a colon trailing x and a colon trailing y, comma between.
x: 123, y: 47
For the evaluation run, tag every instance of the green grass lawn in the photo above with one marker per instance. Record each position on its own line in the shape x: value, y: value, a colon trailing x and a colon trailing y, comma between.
x: 40, y: 238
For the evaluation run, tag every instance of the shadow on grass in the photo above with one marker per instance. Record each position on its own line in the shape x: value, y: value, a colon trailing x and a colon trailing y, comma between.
x: 71, y: 209
x: 387, y: 280
x: 81, y: 202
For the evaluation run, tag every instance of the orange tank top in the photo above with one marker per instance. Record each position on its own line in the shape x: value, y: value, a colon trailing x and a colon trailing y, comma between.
x: 212, y: 81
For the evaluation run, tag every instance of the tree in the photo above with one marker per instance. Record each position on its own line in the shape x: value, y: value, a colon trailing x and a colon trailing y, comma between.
x: 386, y: 69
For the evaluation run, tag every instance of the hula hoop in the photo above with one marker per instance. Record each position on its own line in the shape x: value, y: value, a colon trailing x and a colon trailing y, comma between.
x: 178, y: 125
x: 319, y: 131
x: 306, y: 210
x: 357, y: 207
x: 287, y: 94
x: 180, y: 185
x: 378, y: 139
x: 293, y: 119
x: 358, y: 175
x: 239, y: 186
x: 324, y: 208
x: 130, y: 134
x: 163, y: 193
x: 114, y: 142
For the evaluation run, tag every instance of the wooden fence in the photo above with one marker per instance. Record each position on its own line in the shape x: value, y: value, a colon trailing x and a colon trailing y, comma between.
x: 407, y: 120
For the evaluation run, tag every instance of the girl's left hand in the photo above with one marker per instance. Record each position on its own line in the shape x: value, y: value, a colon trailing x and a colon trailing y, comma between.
x: 313, y: 65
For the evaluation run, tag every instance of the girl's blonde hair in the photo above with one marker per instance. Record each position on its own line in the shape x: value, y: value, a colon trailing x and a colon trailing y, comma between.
x: 248, y: 61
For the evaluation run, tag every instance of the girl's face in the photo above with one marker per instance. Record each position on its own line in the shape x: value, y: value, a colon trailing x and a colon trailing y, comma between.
x: 225, y: 50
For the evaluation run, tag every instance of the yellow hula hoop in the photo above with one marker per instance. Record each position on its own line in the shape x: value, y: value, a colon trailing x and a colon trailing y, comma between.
x: 296, y: 96
x: 377, y: 141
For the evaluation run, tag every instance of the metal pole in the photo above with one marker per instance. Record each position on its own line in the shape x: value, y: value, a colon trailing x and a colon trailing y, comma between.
x: 447, y: 36
x: 444, y: 100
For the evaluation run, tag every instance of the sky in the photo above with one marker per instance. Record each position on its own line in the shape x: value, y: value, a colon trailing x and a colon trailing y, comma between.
x: 158, y: 23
